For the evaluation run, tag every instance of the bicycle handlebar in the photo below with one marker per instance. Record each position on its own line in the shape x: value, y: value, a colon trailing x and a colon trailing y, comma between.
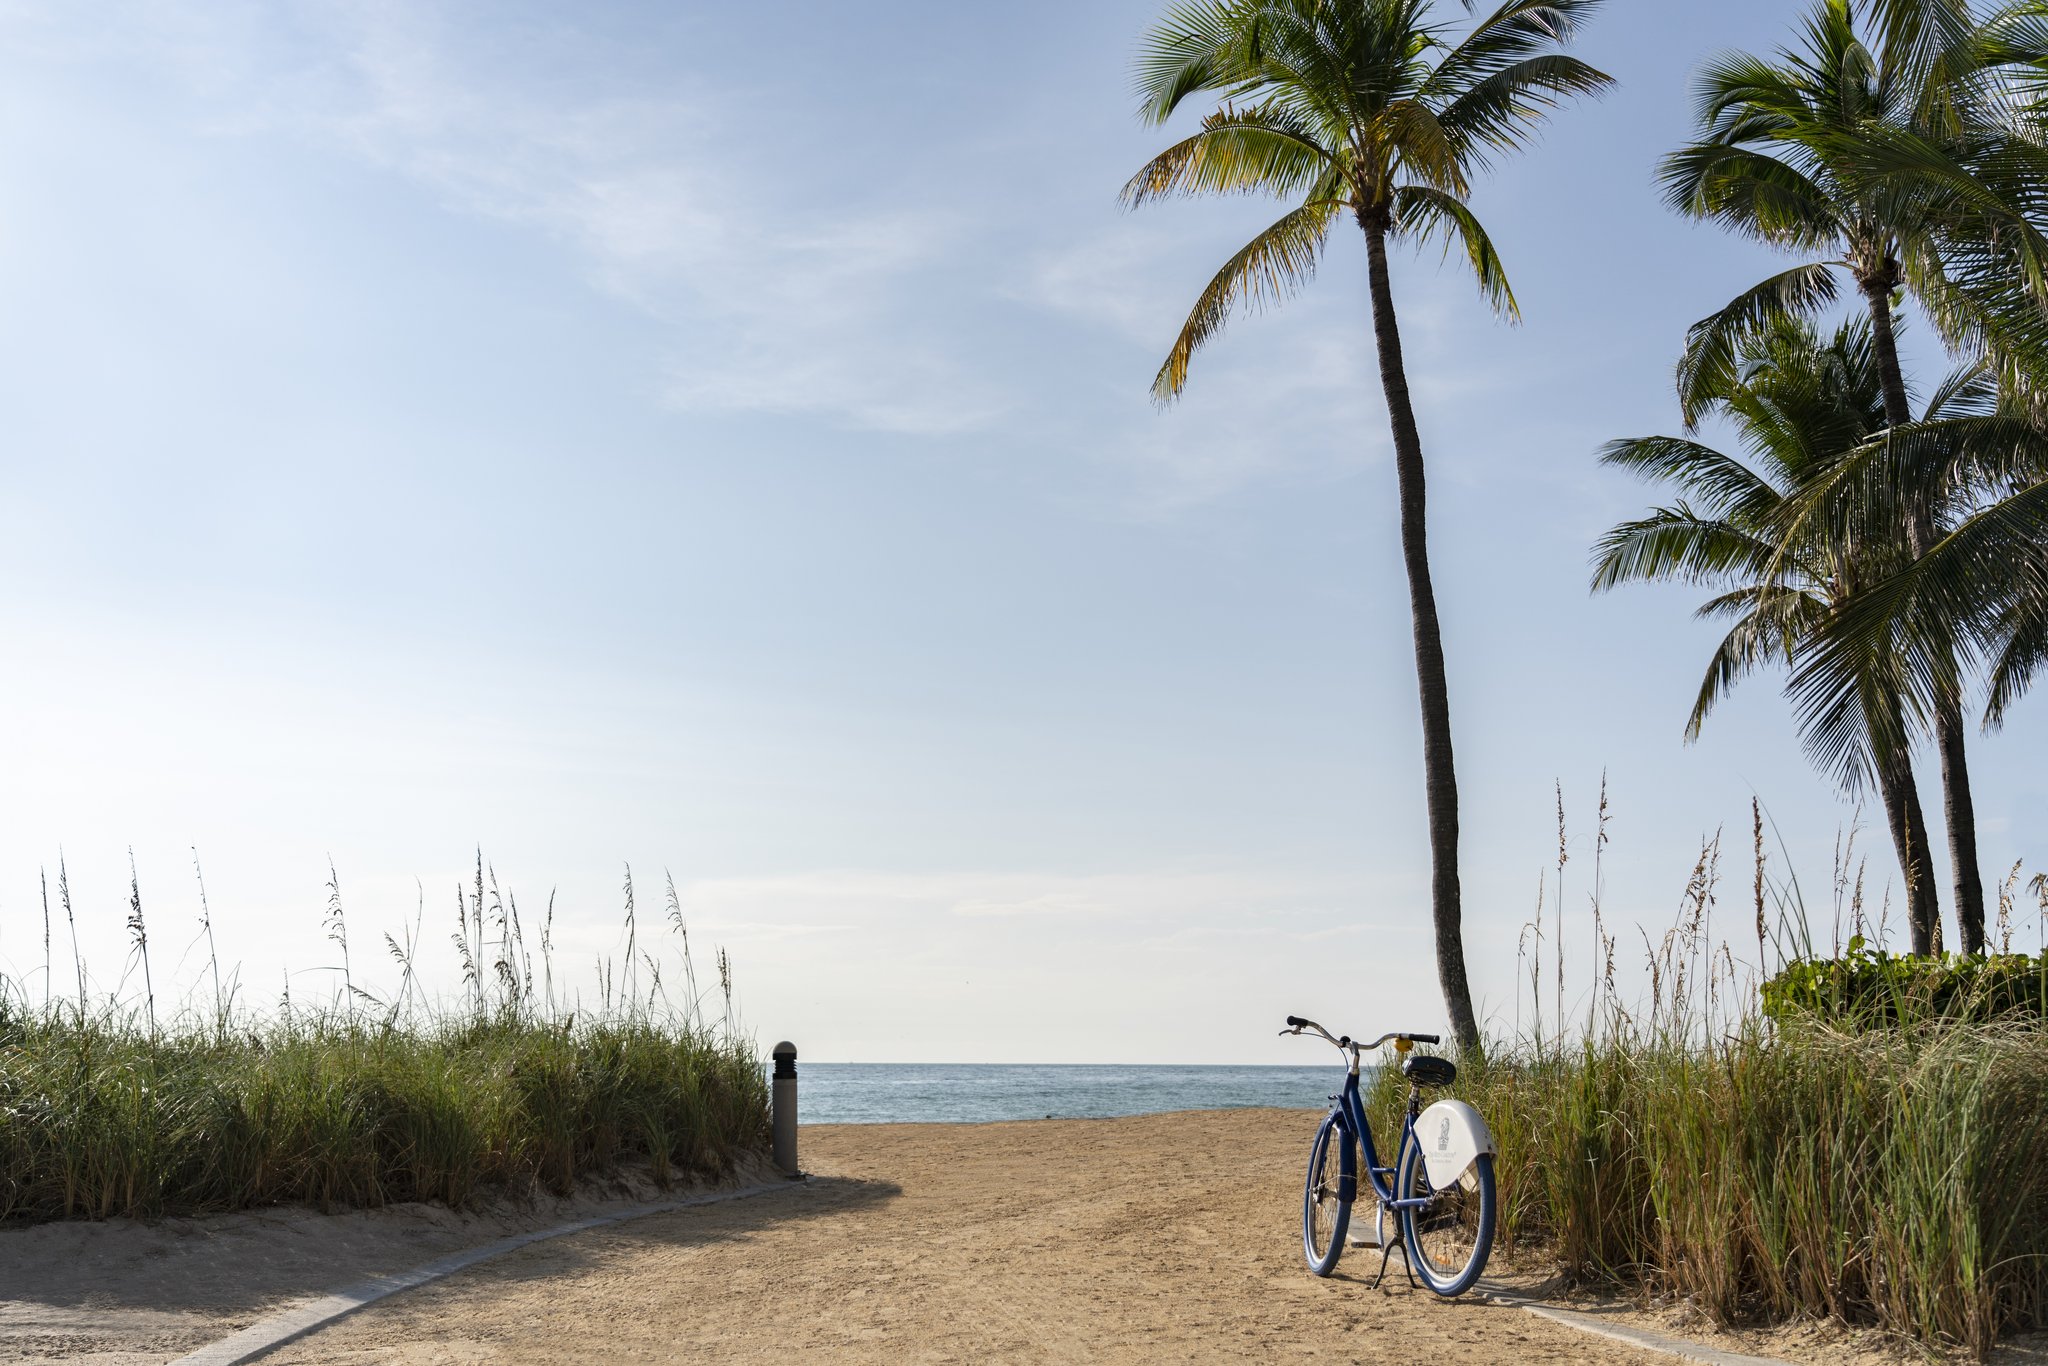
x: 1296, y: 1024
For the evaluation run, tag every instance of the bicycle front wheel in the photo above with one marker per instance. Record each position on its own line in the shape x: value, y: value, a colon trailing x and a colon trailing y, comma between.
x: 1324, y: 1213
x: 1448, y: 1239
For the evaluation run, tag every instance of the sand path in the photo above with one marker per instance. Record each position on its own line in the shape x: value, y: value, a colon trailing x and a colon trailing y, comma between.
x: 123, y: 1293
x: 1159, y: 1238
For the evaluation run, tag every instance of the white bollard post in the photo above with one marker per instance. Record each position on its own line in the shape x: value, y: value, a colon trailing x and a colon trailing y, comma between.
x: 783, y: 1109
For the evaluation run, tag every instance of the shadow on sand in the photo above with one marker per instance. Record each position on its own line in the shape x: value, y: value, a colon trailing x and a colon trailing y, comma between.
x: 175, y: 1284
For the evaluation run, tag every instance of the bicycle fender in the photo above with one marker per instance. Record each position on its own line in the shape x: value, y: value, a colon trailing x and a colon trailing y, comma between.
x: 1452, y: 1136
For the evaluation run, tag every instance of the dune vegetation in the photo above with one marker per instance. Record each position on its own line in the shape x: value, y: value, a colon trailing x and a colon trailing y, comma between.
x: 1776, y: 1148
x: 1894, y: 1179
x: 108, y: 1108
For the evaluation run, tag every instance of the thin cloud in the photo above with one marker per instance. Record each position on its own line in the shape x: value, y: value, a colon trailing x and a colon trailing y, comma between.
x: 1287, y: 393
x: 670, y: 203
x: 994, y: 895
x: 1112, y: 280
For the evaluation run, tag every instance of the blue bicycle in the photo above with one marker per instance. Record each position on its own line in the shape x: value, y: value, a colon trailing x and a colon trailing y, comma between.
x: 1438, y: 1196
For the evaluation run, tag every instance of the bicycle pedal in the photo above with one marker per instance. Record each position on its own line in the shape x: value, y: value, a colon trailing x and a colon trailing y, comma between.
x: 1363, y: 1238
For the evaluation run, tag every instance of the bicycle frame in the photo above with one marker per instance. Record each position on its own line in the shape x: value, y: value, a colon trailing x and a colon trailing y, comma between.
x: 1351, y: 1120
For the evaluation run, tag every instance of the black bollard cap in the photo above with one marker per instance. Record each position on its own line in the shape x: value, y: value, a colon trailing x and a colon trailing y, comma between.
x: 784, y: 1054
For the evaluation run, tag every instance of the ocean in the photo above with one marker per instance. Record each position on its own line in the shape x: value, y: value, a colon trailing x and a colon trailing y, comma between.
x: 966, y: 1093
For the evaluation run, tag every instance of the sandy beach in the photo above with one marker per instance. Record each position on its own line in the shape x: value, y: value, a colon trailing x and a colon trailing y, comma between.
x: 1159, y: 1238
x: 1156, y: 1238
x: 122, y: 1293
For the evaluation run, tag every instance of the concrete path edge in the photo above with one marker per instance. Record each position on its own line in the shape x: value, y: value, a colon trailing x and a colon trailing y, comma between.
x: 267, y: 1335
x: 1646, y: 1338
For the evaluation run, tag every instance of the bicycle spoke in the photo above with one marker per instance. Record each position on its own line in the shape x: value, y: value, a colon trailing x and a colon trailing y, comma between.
x: 1448, y: 1227
x: 1326, y: 1212
x: 1323, y: 1215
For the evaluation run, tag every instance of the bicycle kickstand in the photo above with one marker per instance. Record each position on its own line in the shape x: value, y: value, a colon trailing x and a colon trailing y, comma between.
x: 1386, y: 1251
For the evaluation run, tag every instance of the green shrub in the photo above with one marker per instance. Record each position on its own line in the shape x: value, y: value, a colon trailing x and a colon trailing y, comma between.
x: 1872, y: 989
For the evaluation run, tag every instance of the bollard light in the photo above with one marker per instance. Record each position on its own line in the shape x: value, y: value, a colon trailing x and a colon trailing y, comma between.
x: 783, y: 1110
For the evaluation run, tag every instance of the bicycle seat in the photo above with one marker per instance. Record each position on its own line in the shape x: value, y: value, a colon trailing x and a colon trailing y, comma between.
x: 1426, y: 1071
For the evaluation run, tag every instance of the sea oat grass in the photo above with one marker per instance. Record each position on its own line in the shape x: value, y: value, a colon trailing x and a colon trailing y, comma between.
x: 1895, y: 1179
x: 102, y: 1116
x: 108, y: 1109
x: 1839, y: 1135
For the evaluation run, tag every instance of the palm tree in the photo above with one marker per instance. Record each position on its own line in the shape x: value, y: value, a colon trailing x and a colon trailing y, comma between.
x: 1983, y: 583
x: 1988, y: 292
x: 1872, y: 153
x: 1363, y: 107
x: 1801, y: 407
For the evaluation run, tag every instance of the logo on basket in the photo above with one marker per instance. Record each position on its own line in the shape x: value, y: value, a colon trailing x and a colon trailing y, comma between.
x: 1443, y: 1135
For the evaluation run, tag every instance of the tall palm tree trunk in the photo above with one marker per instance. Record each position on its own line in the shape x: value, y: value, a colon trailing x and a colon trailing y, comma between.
x: 1909, y: 836
x: 1958, y: 808
x: 1439, y: 773
x: 1961, y: 813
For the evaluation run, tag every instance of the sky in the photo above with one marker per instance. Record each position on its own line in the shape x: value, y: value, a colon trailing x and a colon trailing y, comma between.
x: 715, y: 441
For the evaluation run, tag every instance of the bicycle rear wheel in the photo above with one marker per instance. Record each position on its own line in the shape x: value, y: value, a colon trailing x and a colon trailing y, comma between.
x: 1325, y: 1214
x: 1447, y: 1240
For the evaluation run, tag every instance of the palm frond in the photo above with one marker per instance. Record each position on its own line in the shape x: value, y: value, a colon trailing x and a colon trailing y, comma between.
x: 2022, y: 629
x: 1286, y: 57
x: 1769, y: 624
x: 1850, y: 700
x: 1928, y: 46
x: 2013, y: 51
x: 1967, y: 390
x: 1677, y: 545
x: 1917, y: 183
x: 1750, y: 192
x: 1925, y: 625
x: 1849, y: 733
x: 1739, y: 97
x: 1267, y: 270
x: 1712, y: 344
x: 1932, y: 466
x: 1260, y: 150
x: 1501, y: 112
x: 1512, y: 34
x: 1194, y: 48
x: 1805, y: 405
x: 1425, y: 148
x: 1422, y: 212
x: 1727, y: 487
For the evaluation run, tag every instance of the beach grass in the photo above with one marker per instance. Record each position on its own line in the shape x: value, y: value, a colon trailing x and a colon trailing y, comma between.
x: 109, y: 1107
x: 1686, y: 1148
x: 1894, y: 1179
x: 98, y: 1118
